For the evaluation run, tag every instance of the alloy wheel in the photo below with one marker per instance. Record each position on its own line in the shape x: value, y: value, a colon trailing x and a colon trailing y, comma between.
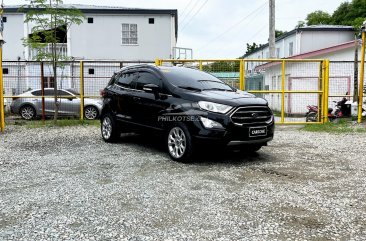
x: 106, y: 128
x: 91, y: 113
x: 177, y: 142
x: 27, y: 112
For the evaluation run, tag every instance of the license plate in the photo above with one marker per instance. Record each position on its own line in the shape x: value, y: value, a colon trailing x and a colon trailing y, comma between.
x: 257, y: 131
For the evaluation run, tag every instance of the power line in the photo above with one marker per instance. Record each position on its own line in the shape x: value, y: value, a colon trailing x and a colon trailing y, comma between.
x: 194, y: 15
x: 234, y: 25
x: 184, y: 10
x: 248, y: 39
x: 261, y: 29
x: 189, y: 12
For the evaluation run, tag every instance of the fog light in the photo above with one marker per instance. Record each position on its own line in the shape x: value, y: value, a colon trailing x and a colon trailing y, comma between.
x: 209, y: 124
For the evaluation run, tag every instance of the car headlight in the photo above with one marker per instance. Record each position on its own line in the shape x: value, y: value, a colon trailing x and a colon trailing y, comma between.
x: 214, y: 107
x: 209, y: 124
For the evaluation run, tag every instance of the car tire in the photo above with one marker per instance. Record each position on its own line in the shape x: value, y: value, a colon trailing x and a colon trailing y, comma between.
x: 27, y: 112
x: 179, y: 142
x: 312, y: 117
x: 91, y: 112
x: 109, y: 129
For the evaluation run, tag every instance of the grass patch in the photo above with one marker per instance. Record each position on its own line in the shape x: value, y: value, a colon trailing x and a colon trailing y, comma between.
x: 336, y: 127
x: 60, y: 123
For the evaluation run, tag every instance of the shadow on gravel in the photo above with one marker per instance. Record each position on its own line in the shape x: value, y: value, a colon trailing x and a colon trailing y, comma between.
x: 206, y: 155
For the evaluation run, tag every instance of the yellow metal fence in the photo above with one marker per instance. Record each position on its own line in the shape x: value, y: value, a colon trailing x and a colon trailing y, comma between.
x: 289, y: 86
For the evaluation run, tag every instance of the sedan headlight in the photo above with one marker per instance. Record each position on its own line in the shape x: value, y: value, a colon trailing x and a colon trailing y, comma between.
x: 214, y: 107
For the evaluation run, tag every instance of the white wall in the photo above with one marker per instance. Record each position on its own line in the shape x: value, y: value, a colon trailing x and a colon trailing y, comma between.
x: 13, y: 34
x: 103, y: 38
x: 311, y: 41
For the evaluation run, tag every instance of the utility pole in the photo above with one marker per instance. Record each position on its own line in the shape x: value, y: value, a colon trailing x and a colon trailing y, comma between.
x: 272, y: 43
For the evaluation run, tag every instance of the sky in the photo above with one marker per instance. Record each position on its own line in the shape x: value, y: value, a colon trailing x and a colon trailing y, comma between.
x: 222, y: 28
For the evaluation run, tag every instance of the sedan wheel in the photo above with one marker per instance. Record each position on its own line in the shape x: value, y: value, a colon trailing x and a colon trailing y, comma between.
x: 90, y: 113
x: 27, y: 112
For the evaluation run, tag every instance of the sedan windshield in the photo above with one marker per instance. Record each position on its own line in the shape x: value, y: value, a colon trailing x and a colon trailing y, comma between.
x: 192, y: 79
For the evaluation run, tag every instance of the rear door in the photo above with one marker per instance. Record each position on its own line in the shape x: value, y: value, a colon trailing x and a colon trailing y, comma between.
x: 123, y: 95
x: 68, y: 103
x: 49, y: 101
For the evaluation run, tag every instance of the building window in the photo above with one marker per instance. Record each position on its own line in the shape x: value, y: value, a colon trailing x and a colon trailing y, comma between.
x: 151, y: 20
x: 129, y: 34
x: 48, y: 82
x: 5, y: 71
x: 291, y: 49
x: 90, y: 20
x: 277, y: 53
x: 5, y: 19
x: 91, y: 71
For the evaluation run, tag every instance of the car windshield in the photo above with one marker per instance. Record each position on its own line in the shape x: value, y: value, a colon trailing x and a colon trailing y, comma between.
x: 73, y: 91
x: 192, y: 79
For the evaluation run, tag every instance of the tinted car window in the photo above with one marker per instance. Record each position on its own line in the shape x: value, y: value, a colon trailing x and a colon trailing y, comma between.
x: 49, y: 92
x: 185, y: 77
x: 37, y: 93
x: 146, y: 78
x: 63, y: 93
x: 125, y: 79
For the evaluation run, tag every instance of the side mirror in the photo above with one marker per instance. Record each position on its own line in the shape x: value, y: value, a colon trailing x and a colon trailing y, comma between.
x: 70, y: 99
x: 151, y: 88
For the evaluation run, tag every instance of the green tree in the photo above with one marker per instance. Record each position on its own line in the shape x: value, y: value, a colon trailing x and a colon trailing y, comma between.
x: 318, y: 17
x: 340, y: 15
x: 300, y: 24
x: 279, y: 33
x: 51, y: 22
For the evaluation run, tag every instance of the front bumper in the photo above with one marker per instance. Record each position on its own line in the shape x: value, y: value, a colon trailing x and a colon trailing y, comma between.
x: 233, y: 134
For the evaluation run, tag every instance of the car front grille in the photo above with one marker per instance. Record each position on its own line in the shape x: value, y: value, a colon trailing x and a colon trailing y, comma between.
x: 251, y: 114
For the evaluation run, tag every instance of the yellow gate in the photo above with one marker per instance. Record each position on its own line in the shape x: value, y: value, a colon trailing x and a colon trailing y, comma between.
x: 291, y: 86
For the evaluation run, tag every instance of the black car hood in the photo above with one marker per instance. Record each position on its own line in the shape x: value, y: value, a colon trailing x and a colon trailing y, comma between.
x: 237, y: 98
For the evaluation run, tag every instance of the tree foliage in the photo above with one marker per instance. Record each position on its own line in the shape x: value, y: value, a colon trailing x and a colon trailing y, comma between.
x: 48, y: 19
x: 318, y: 17
x: 279, y: 33
x: 348, y: 13
x: 222, y: 66
x: 252, y: 48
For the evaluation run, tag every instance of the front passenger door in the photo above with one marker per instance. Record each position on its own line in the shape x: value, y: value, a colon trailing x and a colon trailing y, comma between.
x: 146, y: 107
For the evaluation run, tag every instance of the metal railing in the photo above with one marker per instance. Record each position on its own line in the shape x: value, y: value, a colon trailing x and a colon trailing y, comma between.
x: 288, y: 85
x: 61, y: 50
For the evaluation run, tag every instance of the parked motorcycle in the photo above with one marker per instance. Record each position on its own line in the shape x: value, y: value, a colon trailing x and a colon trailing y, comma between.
x: 342, y: 109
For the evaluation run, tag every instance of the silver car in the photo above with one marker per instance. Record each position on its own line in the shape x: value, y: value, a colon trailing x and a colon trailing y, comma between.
x: 69, y: 105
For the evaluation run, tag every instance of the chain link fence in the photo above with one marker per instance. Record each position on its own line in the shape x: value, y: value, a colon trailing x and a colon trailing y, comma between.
x: 288, y: 86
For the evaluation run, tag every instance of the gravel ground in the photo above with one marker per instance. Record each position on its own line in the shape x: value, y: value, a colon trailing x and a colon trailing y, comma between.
x: 67, y: 184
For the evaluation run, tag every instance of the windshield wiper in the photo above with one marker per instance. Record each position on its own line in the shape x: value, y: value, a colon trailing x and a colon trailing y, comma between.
x: 219, y: 89
x: 189, y: 88
x: 204, y: 80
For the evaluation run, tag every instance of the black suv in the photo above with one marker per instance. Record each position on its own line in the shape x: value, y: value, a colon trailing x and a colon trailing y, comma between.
x: 186, y: 106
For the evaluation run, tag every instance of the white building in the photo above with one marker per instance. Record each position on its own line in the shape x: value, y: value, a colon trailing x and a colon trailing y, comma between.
x: 335, y: 43
x: 107, y: 33
x: 114, y: 34
x: 306, y: 39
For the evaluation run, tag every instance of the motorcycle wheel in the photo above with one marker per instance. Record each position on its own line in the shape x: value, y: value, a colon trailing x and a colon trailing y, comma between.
x: 312, y: 117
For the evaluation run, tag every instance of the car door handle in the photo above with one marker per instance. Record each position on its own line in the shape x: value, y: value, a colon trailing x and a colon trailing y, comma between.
x: 136, y: 98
